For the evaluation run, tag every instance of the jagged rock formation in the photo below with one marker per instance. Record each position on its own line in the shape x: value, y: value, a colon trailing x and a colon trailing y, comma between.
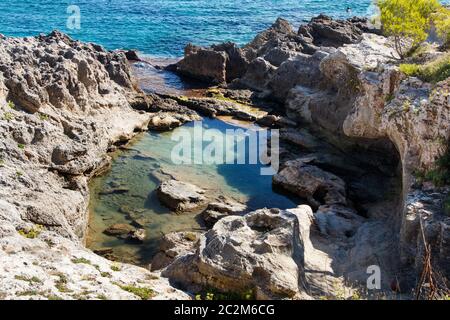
x: 63, y: 105
x: 256, y: 61
x: 253, y: 252
x: 339, y: 77
x: 221, y: 208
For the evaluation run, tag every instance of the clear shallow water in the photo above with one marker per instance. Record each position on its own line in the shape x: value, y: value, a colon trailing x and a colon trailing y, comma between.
x: 163, y: 27
x: 140, y: 169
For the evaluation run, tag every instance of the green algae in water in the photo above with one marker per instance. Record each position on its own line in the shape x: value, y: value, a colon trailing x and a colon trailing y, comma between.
x: 126, y: 194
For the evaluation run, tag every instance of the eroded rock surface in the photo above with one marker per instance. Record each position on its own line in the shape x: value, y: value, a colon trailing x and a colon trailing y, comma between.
x: 222, y: 208
x: 315, y: 185
x: 63, y: 105
x: 181, y: 196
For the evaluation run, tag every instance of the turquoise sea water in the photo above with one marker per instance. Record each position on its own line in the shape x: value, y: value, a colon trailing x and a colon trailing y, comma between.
x: 163, y: 27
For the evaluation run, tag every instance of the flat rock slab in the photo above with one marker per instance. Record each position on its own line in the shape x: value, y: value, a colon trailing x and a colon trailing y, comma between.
x: 180, y: 196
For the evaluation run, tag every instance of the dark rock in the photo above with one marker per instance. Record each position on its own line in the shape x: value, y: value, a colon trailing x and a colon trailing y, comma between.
x: 301, y: 70
x: 132, y: 55
x: 204, y: 64
x: 331, y: 33
x: 258, y: 74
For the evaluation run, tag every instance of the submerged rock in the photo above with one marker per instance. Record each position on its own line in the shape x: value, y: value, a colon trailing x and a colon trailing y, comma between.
x: 181, y: 196
x: 119, y: 230
x: 126, y: 231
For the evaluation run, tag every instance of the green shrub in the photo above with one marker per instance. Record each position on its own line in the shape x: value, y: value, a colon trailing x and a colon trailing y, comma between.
x: 433, y: 71
x: 442, y: 22
x: 143, y: 293
x: 28, y: 279
x: 61, y: 284
x: 407, y: 21
x: 8, y: 116
x: 115, y: 267
x: 212, y: 294
x: 31, y: 233
x: 81, y: 260
x: 11, y: 104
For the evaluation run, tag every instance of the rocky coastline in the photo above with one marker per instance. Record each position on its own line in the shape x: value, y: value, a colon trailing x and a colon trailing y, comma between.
x: 354, y: 132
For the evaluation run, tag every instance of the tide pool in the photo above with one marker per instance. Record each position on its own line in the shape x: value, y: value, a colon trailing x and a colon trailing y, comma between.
x: 127, y: 194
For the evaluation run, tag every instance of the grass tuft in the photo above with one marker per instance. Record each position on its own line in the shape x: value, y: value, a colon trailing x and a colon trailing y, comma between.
x: 143, y: 293
x: 434, y: 71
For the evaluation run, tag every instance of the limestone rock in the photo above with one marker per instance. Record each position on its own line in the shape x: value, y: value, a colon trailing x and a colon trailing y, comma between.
x: 181, y: 196
x: 258, y: 73
x: 174, y: 245
x: 66, y: 103
x: 337, y: 220
x: 203, y: 64
x: 255, y: 251
x: 303, y: 70
x: 220, y: 209
x: 315, y: 185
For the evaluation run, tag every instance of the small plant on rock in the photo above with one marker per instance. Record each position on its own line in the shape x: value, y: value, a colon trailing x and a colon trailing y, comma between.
x: 143, y: 293
x: 8, y: 116
x: 11, y: 104
x: 81, y: 260
x: 31, y: 233
x: 115, y: 267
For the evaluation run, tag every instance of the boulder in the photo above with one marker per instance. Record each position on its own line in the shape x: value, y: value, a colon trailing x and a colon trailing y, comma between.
x: 261, y: 251
x: 302, y: 70
x: 174, y: 245
x: 204, y: 64
x: 327, y: 32
x: 236, y: 63
x: 218, y: 64
x: 163, y: 122
x: 278, y: 34
x: 138, y: 235
x: 220, y: 209
x: 259, y: 72
x: 338, y: 220
x: 317, y: 186
x: 132, y: 55
x: 276, y: 56
x: 181, y: 196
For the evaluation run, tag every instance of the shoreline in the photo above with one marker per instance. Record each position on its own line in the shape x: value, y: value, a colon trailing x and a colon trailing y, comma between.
x: 96, y: 113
